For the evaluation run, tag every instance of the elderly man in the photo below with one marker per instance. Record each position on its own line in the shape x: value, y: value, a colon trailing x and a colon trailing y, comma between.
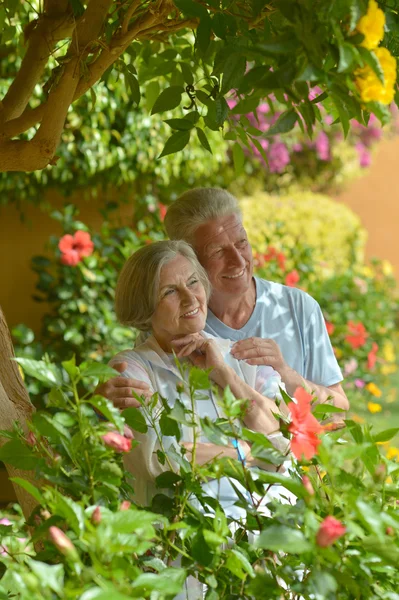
x: 271, y: 324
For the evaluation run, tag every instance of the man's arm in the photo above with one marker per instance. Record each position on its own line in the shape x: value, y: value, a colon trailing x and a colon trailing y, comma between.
x: 258, y: 351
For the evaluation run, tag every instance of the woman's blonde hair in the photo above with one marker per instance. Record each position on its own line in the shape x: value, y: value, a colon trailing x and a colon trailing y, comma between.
x: 137, y: 290
x: 195, y: 207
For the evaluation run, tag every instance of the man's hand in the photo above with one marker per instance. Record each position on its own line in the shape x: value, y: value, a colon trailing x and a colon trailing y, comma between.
x: 258, y: 351
x: 119, y: 389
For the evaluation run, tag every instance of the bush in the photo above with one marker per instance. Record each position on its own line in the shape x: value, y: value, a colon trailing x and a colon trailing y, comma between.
x: 301, y: 219
x: 337, y: 541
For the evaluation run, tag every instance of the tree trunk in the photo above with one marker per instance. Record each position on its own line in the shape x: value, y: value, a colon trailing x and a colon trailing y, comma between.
x: 15, y: 405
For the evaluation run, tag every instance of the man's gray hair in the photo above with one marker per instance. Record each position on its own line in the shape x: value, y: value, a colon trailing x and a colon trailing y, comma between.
x: 195, y: 207
x: 137, y: 290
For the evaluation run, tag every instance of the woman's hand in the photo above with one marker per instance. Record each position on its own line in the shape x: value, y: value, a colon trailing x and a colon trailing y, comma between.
x: 203, y: 353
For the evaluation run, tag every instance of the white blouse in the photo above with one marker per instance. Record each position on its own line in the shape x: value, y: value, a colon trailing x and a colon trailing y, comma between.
x: 149, y: 363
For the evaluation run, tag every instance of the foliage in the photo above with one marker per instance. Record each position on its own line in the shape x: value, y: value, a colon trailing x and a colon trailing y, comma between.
x: 303, y: 219
x: 338, y: 536
x: 279, y: 49
x: 284, y: 163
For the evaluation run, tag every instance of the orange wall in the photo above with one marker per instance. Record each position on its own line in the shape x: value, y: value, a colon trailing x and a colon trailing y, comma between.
x: 374, y: 197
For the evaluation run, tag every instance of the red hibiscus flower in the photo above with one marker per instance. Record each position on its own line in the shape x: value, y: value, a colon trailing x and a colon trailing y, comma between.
x: 75, y: 247
x: 330, y: 328
x: 162, y: 211
x: 117, y: 442
x: 372, y: 356
x: 304, y: 426
x: 270, y: 254
x: 357, y: 336
x: 330, y: 530
x: 281, y: 260
x: 292, y: 278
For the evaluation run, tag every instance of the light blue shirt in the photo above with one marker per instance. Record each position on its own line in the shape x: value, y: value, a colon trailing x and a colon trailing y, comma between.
x: 294, y: 320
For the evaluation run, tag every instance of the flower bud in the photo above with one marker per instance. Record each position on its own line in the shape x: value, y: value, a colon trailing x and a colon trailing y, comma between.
x: 330, y: 530
x: 390, y: 531
x: 45, y: 514
x: 63, y: 543
x: 307, y: 485
x: 117, y: 442
x: 96, y: 516
x: 125, y: 505
x: 31, y: 439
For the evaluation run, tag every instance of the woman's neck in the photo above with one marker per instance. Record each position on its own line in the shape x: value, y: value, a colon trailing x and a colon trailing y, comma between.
x: 234, y: 311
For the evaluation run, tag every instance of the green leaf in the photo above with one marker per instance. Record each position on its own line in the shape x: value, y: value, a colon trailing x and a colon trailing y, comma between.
x: 168, y: 99
x: 94, y: 369
x: 167, y: 479
x: 40, y: 370
x: 238, y: 159
x: 203, y: 34
x: 213, y: 433
x: 386, y: 435
x: 372, y: 61
x: 30, y: 488
x: 133, y: 84
x: 106, y: 408
x: 347, y: 55
x: 284, y: 123
x: 169, y: 581
x: 151, y: 94
x: 169, y: 427
x: 51, y: 576
x: 180, y: 124
x: 283, y: 538
x: 77, y: 7
x: 187, y: 73
x: 233, y: 72
x: 238, y: 564
x: 49, y: 427
x: 18, y: 455
x: 176, y: 142
x: 269, y: 477
x: 97, y: 593
x: 71, y: 368
x: 72, y: 512
x: 199, y: 379
x: 203, y: 139
x: 323, y: 409
x: 135, y: 419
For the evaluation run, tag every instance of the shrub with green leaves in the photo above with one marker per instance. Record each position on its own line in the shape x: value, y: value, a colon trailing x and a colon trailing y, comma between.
x: 338, y: 540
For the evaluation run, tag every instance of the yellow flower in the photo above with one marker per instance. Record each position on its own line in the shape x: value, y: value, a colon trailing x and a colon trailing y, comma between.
x: 388, y: 480
x: 357, y: 418
x: 388, y: 351
x: 370, y: 87
x: 373, y: 389
x: 371, y: 25
x: 387, y: 268
x: 388, y: 369
x: 374, y: 407
x: 392, y: 452
x: 338, y: 353
x: 368, y: 271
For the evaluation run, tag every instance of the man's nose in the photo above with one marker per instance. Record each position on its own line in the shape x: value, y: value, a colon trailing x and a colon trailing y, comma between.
x: 235, y: 258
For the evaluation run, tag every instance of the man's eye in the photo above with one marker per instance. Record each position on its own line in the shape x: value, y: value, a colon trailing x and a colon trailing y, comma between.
x: 242, y: 243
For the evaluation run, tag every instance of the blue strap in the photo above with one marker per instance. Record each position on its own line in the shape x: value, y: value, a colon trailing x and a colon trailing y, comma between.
x: 240, y: 452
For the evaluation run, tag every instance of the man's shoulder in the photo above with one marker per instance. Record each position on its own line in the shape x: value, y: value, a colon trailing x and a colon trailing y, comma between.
x: 281, y: 294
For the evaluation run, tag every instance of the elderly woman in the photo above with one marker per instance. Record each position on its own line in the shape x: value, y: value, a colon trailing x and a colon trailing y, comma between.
x: 163, y: 290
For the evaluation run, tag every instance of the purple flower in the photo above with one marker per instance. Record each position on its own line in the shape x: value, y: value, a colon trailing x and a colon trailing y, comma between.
x: 359, y: 383
x: 322, y: 145
x: 297, y: 147
x: 364, y: 155
x: 278, y: 157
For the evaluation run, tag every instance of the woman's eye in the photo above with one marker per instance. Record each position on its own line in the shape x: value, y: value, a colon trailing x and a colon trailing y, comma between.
x: 193, y: 281
x: 169, y: 292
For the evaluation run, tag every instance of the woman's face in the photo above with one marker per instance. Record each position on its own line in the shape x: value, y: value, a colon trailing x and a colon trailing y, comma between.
x: 181, y: 307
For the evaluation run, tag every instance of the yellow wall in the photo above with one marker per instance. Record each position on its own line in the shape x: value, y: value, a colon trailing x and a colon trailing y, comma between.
x: 375, y: 197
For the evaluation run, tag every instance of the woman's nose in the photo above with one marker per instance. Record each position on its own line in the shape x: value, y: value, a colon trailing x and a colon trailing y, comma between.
x: 187, y: 297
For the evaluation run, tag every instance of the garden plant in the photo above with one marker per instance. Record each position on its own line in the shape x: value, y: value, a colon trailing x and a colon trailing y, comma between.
x: 332, y: 533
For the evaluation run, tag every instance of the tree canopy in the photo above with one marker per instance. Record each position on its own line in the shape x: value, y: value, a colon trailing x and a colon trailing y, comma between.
x: 210, y: 61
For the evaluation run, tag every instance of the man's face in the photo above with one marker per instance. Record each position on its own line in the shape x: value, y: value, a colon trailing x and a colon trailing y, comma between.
x: 224, y: 251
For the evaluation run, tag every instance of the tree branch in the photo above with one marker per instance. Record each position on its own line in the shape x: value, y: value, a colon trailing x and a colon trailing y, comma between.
x: 42, y: 41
